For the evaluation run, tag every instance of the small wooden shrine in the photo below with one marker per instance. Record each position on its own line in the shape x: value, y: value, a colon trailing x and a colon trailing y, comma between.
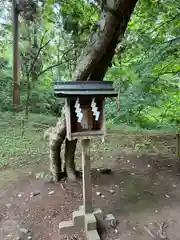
x: 84, y: 105
x: 85, y: 119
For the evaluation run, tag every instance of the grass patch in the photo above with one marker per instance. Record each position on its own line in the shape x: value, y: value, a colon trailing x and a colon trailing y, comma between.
x: 124, y: 128
x: 20, y: 147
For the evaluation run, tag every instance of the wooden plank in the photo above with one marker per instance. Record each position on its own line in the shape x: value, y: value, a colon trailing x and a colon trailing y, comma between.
x: 84, y: 85
x: 68, y: 119
x: 88, y: 137
x: 74, y: 94
x: 103, y: 125
x: 86, y: 167
x: 103, y: 121
x: 87, y: 120
x: 87, y: 133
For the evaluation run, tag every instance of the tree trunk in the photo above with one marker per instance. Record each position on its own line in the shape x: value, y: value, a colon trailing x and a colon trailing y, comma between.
x: 93, y: 64
x: 69, y: 155
x: 56, y: 137
x: 16, y: 72
x: 28, y: 96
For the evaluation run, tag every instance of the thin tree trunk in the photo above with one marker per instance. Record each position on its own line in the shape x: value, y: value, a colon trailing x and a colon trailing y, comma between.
x: 58, y: 57
x: 28, y: 96
x: 16, y: 72
x: 92, y: 64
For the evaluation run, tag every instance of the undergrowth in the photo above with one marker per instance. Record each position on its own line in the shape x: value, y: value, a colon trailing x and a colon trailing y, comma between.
x: 22, y: 143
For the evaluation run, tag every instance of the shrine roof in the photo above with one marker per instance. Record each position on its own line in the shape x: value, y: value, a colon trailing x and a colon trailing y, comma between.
x: 84, y: 88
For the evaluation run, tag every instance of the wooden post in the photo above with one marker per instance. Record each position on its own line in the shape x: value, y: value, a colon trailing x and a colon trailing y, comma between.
x: 16, y: 74
x: 86, y: 167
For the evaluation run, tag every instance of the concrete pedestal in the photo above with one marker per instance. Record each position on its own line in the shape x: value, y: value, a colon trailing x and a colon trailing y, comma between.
x: 89, y: 221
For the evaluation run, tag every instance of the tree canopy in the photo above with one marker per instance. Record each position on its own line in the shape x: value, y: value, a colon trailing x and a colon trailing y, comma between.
x: 145, y: 67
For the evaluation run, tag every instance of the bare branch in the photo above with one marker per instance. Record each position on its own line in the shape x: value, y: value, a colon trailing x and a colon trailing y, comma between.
x: 56, y: 64
x: 163, y: 73
x: 49, y: 68
x: 157, y: 28
x: 149, y: 232
x: 177, y: 39
x: 39, y: 51
x: 166, y: 110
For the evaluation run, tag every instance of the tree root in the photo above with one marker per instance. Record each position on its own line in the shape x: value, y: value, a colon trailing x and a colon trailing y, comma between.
x: 56, y: 136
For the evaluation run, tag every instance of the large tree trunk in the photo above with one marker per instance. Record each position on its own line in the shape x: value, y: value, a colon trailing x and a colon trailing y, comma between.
x: 93, y: 64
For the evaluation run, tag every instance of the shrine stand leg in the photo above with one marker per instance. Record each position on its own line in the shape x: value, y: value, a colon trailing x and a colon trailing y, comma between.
x: 90, y: 220
x: 86, y: 217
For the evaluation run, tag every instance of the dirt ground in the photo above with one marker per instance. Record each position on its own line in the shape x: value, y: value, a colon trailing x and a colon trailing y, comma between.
x: 146, y: 190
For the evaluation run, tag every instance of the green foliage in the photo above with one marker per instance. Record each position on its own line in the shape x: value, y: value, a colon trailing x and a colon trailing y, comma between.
x: 145, y: 70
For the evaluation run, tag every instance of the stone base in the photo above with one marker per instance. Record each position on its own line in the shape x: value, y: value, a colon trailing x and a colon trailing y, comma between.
x: 93, y: 235
x: 87, y: 221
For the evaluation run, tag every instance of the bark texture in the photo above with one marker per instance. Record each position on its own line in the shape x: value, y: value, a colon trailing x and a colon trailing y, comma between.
x: 56, y: 136
x: 100, y: 51
x: 92, y: 65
